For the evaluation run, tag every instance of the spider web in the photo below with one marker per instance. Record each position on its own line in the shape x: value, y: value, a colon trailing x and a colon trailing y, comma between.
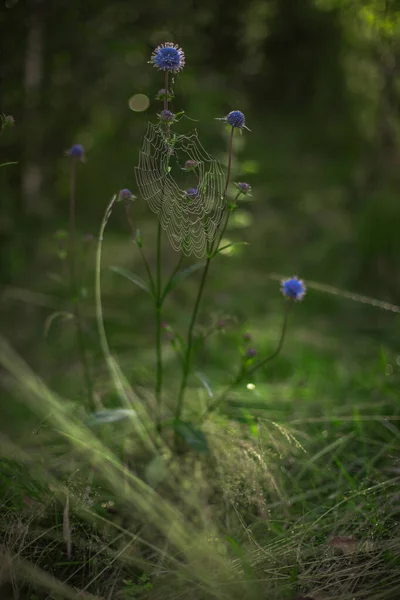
x: 190, y: 223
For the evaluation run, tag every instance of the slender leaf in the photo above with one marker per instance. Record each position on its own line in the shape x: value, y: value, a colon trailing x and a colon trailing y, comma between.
x: 61, y: 314
x: 230, y: 245
x: 205, y: 382
x: 181, y: 275
x: 109, y: 416
x: 7, y: 164
x: 133, y: 278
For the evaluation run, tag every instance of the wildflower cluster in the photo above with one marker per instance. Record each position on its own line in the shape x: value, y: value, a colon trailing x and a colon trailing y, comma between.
x: 170, y: 59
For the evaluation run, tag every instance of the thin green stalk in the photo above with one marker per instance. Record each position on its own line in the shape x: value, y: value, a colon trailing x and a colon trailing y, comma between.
x: 245, y: 372
x: 145, y: 262
x: 228, y: 214
x: 159, y: 376
x: 74, y: 284
x: 158, y: 298
x: 189, y: 343
x: 114, y: 369
x: 174, y: 272
x: 228, y: 174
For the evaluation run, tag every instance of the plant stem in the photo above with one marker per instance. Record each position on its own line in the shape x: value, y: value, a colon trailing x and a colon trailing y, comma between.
x: 228, y: 214
x: 158, y: 303
x: 74, y: 284
x: 174, y: 272
x: 245, y: 372
x: 159, y: 296
x: 228, y: 174
x: 189, y: 343
x: 145, y: 262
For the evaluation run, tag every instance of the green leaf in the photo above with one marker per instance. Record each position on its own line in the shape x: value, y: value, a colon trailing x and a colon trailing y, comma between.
x: 109, y: 416
x: 224, y: 248
x: 195, y: 438
x: 133, y: 278
x: 7, y: 164
x: 61, y: 314
x: 181, y: 275
x: 205, y: 382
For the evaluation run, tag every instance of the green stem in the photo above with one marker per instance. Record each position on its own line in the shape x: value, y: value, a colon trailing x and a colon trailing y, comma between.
x: 246, y: 372
x: 189, y: 343
x: 158, y: 303
x: 174, y: 272
x: 228, y: 214
x: 145, y: 262
x: 228, y: 174
x: 74, y: 285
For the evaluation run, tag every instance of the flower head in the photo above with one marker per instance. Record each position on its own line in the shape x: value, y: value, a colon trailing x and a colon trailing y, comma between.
x: 167, y: 116
x: 76, y: 151
x: 192, y: 193
x: 168, y: 57
x: 190, y: 165
x: 236, y: 119
x: 244, y: 188
x: 161, y: 94
x: 251, y: 353
x: 247, y: 337
x: 293, y: 288
x: 126, y: 194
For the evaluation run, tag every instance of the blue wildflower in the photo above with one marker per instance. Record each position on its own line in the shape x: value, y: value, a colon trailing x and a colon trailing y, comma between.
x: 236, y: 119
x: 168, y: 57
x: 167, y: 116
x: 293, y: 288
x: 76, y: 151
x: 126, y: 194
x: 244, y: 188
x: 192, y: 193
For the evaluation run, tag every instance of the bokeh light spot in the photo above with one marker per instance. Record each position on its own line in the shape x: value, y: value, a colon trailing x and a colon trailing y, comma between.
x: 139, y: 102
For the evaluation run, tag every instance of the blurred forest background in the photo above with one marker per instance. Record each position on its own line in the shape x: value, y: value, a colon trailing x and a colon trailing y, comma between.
x: 319, y: 83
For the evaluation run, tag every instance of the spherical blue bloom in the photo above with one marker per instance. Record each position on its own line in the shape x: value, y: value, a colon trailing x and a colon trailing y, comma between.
x: 293, y: 288
x: 76, y: 151
x: 192, y: 193
x: 126, y: 194
x: 168, y: 57
x: 167, y: 116
x: 236, y: 119
x: 244, y: 188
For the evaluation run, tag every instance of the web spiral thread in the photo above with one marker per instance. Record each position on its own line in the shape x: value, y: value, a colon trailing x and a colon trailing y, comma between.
x: 190, y: 223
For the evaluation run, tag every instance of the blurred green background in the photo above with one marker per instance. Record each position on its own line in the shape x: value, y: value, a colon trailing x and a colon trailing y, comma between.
x: 318, y: 81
